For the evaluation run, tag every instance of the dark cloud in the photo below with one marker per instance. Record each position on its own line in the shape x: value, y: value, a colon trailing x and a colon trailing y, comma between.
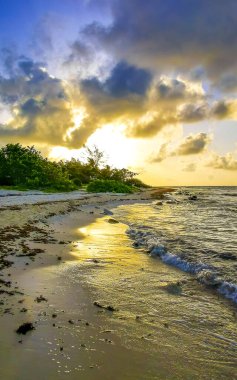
x: 81, y: 58
x: 175, y: 89
x: 227, y: 82
x: 221, y: 109
x: 32, y: 70
x: 78, y: 51
x: 197, y: 73
x: 31, y: 107
x: 121, y: 96
x: 152, y: 124
x: 41, y: 106
x: 193, y: 112
x: 170, y: 34
x: 193, y: 144
x: 127, y: 79
x: 166, y: 54
x: 29, y: 79
x: 123, y: 81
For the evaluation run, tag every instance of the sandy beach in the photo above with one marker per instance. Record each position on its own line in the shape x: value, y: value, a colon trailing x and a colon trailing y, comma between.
x: 36, y: 252
x: 69, y: 268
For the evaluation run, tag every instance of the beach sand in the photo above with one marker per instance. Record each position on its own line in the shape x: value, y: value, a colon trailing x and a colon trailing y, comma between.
x: 72, y: 337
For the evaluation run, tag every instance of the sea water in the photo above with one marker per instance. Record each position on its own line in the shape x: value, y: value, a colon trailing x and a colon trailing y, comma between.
x: 194, y: 229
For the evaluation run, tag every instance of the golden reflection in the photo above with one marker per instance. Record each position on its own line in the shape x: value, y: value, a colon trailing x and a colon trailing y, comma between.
x: 88, y: 231
x: 99, y: 232
x: 83, y: 231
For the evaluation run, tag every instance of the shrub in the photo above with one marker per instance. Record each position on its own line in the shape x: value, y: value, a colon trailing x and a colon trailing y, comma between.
x: 103, y: 186
x: 137, y: 183
x: 25, y: 167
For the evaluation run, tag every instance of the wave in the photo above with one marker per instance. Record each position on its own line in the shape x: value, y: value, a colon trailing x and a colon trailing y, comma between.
x: 228, y: 290
x: 145, y: 238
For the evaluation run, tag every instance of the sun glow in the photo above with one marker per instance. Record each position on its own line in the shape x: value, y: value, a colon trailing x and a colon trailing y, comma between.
x: 78, y: 116
x: 120, y: 151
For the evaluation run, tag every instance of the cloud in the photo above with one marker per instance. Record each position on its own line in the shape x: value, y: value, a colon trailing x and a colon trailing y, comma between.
x: 42, y: 105
x: 222, y: 109
x: 170, y: 34
x: 227, y: 82
x: 151, y: 123
x: 124, y: 80
x: 176, y: 89
x: 193, y: 144
x: 161, y: 155
x: 193, y: 112
x: 146, y: 104
x: 190, y: 167
x: 82, y: 60
x: 42, y: 111
x: 41, y: 38
x: 190, y: 145
x: 78, y: 51
x: 121, y: 96
x: 226, y: 162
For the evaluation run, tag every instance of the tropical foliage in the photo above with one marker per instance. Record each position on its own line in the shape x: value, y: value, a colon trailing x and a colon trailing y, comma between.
x: 25, y: 167
x: 107, y: 185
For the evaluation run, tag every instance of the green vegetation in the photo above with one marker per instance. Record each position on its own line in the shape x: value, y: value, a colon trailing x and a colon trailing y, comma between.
x: 108, y: 185
x: 25, y: 168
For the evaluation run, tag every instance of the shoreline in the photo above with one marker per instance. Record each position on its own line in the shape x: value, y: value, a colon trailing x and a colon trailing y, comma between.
x: 31, y: 253
x: 73, y: 336
x: 26, y: 238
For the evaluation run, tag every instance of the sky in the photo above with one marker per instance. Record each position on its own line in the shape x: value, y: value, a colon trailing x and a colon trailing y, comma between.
x: 152, y: 83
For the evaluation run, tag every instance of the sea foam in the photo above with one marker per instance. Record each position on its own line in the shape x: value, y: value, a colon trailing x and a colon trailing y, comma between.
x: 145, y: 238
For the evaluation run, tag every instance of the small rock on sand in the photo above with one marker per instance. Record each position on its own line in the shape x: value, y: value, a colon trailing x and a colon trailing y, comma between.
x: 41, y: 299
x: 25, y: 327
x: 96, y: 261
x: 109, y: 308
x: 107, y: 212
x: 112, y: 221
x: 192, y: 198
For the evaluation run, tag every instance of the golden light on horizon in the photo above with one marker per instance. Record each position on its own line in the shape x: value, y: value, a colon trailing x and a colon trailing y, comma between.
x: 119, y: 150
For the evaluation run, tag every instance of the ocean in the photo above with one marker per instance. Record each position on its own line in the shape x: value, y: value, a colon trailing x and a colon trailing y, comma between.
x: 193, y: 229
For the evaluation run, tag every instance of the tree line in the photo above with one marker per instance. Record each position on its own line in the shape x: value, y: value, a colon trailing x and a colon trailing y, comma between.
x: 25, y: 168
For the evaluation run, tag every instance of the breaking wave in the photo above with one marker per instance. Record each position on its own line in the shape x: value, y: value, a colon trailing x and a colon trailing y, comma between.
x: 146, y: 239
